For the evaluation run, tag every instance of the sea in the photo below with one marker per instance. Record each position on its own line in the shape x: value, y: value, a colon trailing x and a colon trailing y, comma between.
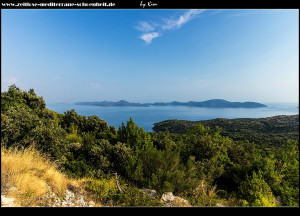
x: 146, y: 116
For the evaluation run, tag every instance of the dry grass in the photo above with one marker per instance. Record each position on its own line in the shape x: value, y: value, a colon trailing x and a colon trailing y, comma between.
x: 180, y: 203
x: 31, y: 176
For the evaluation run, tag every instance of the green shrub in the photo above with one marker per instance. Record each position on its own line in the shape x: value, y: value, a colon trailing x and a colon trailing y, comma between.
x: 203, y: 195
x: 257, y: 192
x: 74, y: 138
x: 104, y: 190
x: 135, y: 197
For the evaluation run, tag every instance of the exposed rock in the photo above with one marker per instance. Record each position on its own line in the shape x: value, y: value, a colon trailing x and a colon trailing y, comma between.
x: 91, y: 204
x: 219, y: 205
x: 76, y: 200
x: 71, y: 199
x: 168, y: 197
x: 7, y: 202
x: 170, y: 200
x: 80, y: 201
x: 149, y: 192
x: 181, y: 201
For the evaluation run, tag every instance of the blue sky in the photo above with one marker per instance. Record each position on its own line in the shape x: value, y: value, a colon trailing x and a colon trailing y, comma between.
x: 152, y: 55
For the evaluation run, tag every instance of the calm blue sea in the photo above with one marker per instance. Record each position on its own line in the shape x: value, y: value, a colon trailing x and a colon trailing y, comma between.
x: 146, y: 116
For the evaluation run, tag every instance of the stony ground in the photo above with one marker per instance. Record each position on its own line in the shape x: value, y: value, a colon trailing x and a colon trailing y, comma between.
x: 70, y: 200
x: 7, y: 202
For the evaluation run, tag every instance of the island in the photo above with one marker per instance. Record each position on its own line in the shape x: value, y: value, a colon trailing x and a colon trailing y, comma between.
x: 121, y: 103
x: 214, y: 103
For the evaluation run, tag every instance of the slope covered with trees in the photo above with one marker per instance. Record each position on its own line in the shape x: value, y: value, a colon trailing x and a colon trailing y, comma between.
x: 271, y: 131
x: 200, y: 165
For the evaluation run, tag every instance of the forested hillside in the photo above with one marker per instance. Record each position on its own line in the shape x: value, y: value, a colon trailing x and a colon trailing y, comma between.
x: 200, y: 164
x: 271, y: 131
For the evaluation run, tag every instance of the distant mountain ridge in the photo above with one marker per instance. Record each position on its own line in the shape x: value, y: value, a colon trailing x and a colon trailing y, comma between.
x: 214, y: 103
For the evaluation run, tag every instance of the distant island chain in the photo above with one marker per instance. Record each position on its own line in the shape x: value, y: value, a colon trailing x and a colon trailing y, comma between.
x: 214, y: 103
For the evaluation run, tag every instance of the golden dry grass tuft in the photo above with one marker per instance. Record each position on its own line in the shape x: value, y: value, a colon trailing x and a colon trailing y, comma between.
x: 180, y: 203
x: 31, y: 176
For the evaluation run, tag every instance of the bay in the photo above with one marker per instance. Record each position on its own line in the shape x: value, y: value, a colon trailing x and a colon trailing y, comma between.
x: 146, y: 116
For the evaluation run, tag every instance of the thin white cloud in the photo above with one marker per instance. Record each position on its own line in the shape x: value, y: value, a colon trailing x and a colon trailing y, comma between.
x: 184, y: 18
x: 156, y: 30
x: 148, y: 37
x: 144, y: 27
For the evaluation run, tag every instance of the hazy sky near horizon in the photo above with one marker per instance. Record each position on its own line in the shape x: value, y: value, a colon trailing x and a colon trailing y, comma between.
x: 152, y: 55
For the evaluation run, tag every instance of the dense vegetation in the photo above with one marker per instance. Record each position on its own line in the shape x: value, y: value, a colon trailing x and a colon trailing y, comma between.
x: 199, y: 165
x: 271, y: 131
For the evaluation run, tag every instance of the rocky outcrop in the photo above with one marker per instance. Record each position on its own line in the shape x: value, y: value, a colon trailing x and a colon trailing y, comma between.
x: 70, y: 200
x: 149, y: 192
x: 7, y: 202
x: 52, y: 200
x: 168, y: 199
